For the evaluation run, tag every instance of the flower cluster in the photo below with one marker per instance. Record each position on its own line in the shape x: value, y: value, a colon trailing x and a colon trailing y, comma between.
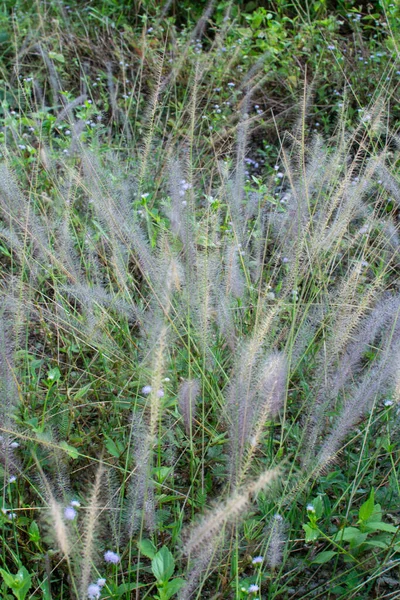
x: 70, y: 512
x: 94, y: 589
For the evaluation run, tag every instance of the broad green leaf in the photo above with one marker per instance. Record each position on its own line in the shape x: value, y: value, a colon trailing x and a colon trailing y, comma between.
x: 147, y: 548
x: 380, y: 526
x: 318, y: 506
x: 311, y: 533
x: 19, y: 583
x: 34, y: 533
x: 127, y: 587
x: 367, y: 508
x: 163, y: 565
x: 53, y: 374
x: 377, y: 544
x: 172, y: 587
x: 346, y: 534
x: 70, y: 450
x: 323, y: 557
x: 113, y: 448
x: 57, y: 56
x: 357, y: 540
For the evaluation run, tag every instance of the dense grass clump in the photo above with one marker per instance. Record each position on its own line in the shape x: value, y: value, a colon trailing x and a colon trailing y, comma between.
x: 199, y: 336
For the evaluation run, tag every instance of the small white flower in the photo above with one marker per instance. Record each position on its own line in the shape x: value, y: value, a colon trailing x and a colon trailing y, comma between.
x: 167, y: 379
x: 257, y: 560
x: 70, y: 513
x: 75, y: 503
x: 67, y: 132
x: 280, y: 175
x: 12, y: 479
x: 331, y: 47
x: 101, y: 582
x: 160, y: 393
x: 146, y: 390
x: 94, y: 591
x: 310, y: 508
x: 388, y: 402
x: 14, y: 445
x: 111, y: 557
x: 253, y: 588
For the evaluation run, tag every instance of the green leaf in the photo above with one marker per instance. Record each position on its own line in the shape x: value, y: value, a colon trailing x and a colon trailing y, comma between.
x: 171, y: 588
x: 346, y: 534
x: 53, y: 374
x: 311, y: 533
x: 323, y: 557
x: 19, y: 583
x: 367, y: 508
x: 380, y: 526
x: 163, y: 565
x: 357, y: 540
x: 82, y: 391
x: 114, y: 448
x: 34, y: 533
x: 8, y: 578
x: 56, y: 56
x: 147, y: 548
x: 127, y: 587
x: 70, y: 450
x: 377, y: 544
x: 318, y: 506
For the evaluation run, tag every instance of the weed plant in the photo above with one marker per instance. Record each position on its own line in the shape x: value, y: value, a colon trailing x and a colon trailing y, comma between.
x: 198, y: 365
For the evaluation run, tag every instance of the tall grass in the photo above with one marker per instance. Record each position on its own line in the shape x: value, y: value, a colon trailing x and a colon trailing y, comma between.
x: 186, y: 352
